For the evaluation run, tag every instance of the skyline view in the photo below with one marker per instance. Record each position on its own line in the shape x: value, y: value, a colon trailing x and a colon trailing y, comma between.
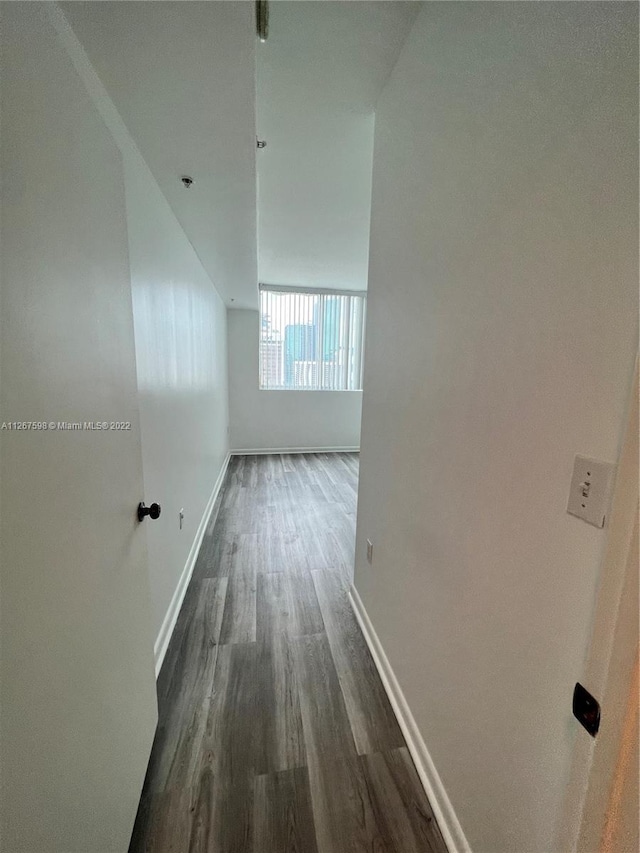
x: 307, y: 341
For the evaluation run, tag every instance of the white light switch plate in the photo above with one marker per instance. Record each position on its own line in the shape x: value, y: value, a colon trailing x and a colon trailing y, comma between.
x: 590, y: 492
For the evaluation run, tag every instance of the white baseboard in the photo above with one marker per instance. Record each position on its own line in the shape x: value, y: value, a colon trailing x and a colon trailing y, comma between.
x: 169, y: 622
x: 262, y: 451
x: 443, y: 810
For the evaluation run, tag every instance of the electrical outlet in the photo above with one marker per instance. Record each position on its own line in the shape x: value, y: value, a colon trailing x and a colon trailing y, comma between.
x: 590, y: 491
x: 181, y: 518
x: 369, y: 551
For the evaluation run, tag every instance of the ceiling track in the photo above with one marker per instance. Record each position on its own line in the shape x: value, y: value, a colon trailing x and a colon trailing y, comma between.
x: 262, y: 19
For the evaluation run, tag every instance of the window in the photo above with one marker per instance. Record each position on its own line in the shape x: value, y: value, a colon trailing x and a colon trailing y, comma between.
x: 311, y: 340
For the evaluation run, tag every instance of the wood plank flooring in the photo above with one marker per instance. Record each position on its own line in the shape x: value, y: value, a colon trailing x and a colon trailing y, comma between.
x: 275, y: 734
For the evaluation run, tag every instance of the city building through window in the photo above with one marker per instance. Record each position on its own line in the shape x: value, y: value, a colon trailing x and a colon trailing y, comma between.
x: 311, y: 340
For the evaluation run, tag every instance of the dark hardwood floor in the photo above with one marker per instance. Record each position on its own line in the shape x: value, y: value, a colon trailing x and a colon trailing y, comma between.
x: 275, y: 733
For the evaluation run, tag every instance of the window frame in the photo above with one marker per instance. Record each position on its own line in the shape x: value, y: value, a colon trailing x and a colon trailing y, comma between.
x: 358, y: 346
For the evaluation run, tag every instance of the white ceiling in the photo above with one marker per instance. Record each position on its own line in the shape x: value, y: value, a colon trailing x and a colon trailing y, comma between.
x: 183, y: 77
x: 319, y: 75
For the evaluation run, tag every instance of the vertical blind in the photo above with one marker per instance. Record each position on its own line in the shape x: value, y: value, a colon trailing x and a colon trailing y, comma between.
x: 311, y: 340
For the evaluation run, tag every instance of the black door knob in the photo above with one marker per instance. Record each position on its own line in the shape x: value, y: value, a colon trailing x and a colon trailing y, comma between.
x: 152, y: 511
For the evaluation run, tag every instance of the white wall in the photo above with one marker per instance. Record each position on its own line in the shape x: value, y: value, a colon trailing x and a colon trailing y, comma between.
x: 181, y: 354
x: 504, y: 259
x: 282, y: 420
x: 77, y: 696
x: 183, y: 78
x: 319, y: 75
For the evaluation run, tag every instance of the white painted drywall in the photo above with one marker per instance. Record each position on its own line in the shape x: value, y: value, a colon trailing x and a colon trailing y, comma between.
x: 319, y: 74
x: 282, y: 420
x: 181, y: 354
x: 505, y: 214
x: 77, y: 696
x: 182, y: 76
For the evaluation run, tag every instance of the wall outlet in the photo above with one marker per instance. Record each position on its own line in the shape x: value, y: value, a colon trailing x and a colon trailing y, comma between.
x: 369, y: 551
x: 181, y: 517
x: 590, y: 492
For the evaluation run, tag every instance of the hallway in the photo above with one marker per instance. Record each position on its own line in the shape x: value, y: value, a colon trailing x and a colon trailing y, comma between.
x: 275, y: 733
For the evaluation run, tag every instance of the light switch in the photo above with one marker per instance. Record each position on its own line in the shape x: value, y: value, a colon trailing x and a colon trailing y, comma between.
x: 590, y: 492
